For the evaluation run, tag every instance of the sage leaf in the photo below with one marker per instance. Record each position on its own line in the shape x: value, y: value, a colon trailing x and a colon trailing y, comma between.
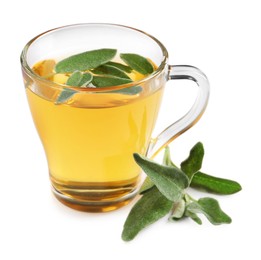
x: 151, y: 207
x: 211, y: 209
x: 86, y: 79
x: 169, y: 180
x: 203, y: 181
x: 167, y: 158
x: 128, y: 91
x: 146, y: 185
x: 193, y: 216
x: 120, y: 66
x: 74, y: 79
x: 137, y: 62
x: 194, y: 162
x: 178, y: 210
x: 85, y: 60
x: 110, y: 71
x: 65, y: 95
x: 100, y: 81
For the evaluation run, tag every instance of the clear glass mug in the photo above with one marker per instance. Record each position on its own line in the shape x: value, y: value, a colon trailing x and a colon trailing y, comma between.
x: 89, y: 140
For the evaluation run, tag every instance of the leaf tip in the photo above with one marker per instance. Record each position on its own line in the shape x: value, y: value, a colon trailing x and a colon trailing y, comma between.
x: 137, y: 157
x: 125, y: 237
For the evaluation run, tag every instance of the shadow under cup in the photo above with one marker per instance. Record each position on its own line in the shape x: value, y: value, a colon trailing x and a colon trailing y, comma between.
x: 89, y: 140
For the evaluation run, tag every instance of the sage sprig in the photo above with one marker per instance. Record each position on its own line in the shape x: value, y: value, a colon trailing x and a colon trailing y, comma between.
x: 164, y: 191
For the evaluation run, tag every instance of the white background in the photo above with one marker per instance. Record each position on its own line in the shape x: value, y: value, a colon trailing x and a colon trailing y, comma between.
x: 222, y: 38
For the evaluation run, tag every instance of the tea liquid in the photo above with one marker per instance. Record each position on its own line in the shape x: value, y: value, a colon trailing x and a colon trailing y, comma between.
x: 91, y: 148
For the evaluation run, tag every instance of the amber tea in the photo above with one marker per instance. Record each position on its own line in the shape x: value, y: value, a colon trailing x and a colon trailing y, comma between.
x: 92, y: 147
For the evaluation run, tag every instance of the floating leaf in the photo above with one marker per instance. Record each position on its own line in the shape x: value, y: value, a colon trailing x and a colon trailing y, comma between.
x: 169, y: 180
x: 85, y: 60
x: 100, y: 82
x: 74, y: 79
x: 213, y: 184
x: 151, y: 207
x: 86, y: 79
x: 128, y: 91
x: 194, y: 162
x: 137, y: 63
x: 65, y: 95
x: 211, y: 209
x: 120, y: 66
x: 110, y: 71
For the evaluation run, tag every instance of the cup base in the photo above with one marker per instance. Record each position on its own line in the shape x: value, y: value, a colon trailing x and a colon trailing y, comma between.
x: 95, y: 198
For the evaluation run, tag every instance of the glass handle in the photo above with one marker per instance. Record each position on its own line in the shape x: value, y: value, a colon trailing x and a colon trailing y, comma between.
x: 193, y: 115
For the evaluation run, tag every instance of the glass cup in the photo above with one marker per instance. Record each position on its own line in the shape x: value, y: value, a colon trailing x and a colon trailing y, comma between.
x: 90, y: 139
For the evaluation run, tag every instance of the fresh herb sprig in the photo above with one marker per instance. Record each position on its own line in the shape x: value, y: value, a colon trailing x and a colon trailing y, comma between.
x: 164, y: 191
x: 96, y: 69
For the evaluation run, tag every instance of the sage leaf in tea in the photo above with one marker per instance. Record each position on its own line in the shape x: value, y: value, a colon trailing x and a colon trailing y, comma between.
x: 169, y: 180
x: 211, y: 209
x: 65, y: 95
x: 151, y: 207
x: 128, y: 91
x: 120, y: 66
x: 194, y: 162
x: 86, y: 79
x: 137, y: 62
x: 100, y: 81
x: 110, y: 71
x: 74, y: 79
x: 85, y: 60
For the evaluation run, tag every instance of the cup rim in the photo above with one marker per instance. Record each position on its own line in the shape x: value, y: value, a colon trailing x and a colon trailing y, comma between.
x: 32, y: 74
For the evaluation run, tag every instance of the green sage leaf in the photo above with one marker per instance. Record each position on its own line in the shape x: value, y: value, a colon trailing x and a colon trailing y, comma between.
x: 167, y: 158
x: 148, y: 183
x: 86, y: 79
x: 65, y: 95
x: 211, y: 209
x: 169, y: 180
x: 110, y: 71
x: 85, y: 60
x: 120, y: 66
x: 203, y: 181
x: 194, y: 162
x: 128, y: 91
x: 100, y: 82
x: 137, y: 63
x: 193, y: 216
x: 178, y: 210
x: 74, y: 79
x: 151, y: 207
